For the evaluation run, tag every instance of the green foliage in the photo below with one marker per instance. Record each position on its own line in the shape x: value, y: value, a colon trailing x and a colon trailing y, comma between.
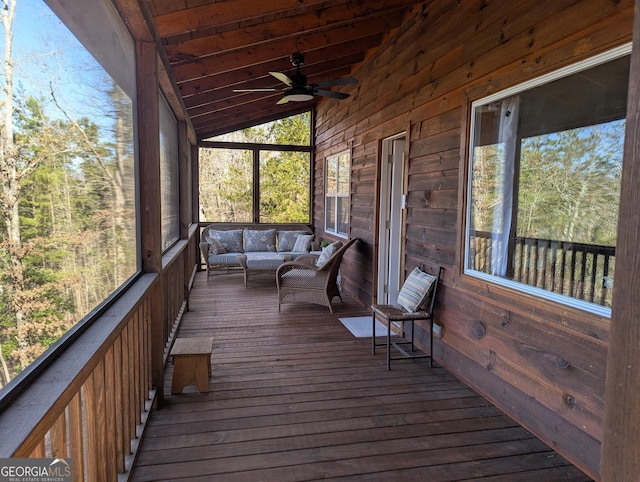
x: 284, y: 187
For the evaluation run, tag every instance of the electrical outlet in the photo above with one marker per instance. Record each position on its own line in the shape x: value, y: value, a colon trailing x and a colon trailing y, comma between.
x: 438, y: 330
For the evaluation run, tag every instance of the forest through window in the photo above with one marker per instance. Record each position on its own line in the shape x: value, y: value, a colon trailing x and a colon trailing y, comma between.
x: 68, y: 233
x: 260, y: 174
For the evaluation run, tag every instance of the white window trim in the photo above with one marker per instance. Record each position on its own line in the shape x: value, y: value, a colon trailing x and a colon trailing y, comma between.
x: 615, y: 53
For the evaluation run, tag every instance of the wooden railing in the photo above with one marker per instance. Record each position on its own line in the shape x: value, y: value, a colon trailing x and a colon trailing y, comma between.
x: 582, y: 271
x: 91, y: 403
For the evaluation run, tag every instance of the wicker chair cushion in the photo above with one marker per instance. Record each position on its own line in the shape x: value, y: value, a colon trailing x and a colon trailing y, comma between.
x: 415, y: 290
x: 327, y: 252
x: 303, y: 278
x: 231, y: 240
x: 259, y: 240
x: 287, y: 239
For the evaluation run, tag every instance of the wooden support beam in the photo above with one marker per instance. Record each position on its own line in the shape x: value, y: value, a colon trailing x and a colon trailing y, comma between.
x: 150, y: 199
x: 621, y: 444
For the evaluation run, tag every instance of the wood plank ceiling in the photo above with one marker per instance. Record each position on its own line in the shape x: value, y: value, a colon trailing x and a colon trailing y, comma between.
x: 217, y: 46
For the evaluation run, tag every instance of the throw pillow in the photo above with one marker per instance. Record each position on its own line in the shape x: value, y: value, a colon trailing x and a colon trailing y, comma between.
x: 287, y: 239
x: 231, y: 239
x: 327, y: 252
x: 215, y: 246
x: 303, y: 243
x: 415, y: 290
x: 259, y: 240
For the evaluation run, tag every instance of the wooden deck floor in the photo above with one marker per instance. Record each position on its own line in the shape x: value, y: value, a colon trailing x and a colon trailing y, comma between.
x: 294, y: 396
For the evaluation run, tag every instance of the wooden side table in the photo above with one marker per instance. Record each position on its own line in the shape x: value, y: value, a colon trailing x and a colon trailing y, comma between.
x: 191, y: 363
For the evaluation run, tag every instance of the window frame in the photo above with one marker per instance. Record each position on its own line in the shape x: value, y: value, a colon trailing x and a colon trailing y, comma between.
x: 256, y: 150
x: 566, y: 300
x: 337, y: 194
x: 257, y: 146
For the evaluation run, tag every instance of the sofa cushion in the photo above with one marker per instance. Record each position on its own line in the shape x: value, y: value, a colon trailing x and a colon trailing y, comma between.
x: 264, y: 260
x: 303, y: 243
x: 259, y: 240
x: 215, y: 246
x: 327, y: 252
x: 225, y: 259
x: 287, y: 239
x: 231, y: 239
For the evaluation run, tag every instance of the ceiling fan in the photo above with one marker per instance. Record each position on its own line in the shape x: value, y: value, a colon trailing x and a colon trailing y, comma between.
x: 298, y: 90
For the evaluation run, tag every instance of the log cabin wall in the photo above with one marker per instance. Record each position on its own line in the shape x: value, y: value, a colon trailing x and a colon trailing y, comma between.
x: 542, y: 363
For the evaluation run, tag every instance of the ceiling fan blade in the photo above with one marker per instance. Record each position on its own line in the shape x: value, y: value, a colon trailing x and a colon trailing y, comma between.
x: 282, y: 78
x: 334, y: 82
x: 255, y: 90
x: 330, y: 93
x: 284, y: 100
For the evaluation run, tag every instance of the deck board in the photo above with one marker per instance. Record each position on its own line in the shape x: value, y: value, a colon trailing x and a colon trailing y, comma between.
x: 294, y: 396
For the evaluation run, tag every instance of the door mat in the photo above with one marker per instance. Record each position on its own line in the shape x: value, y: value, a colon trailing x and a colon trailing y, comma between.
x: 360, y: 326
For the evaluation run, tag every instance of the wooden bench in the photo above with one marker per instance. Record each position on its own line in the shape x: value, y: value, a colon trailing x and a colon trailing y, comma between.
x: 191, y: 363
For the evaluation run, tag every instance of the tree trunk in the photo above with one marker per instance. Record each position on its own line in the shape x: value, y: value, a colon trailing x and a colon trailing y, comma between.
x: 10, y: 186
x: 5, y: 376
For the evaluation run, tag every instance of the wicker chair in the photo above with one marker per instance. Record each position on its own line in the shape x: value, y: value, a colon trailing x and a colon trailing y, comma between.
x: 302, y: 281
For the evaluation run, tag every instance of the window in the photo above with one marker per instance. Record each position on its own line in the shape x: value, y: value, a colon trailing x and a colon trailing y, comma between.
x: 337, y: 182
x: 261, y: 174
x: 169, y: 182
x: 226, y: 185
x: 544, y: 183
x: 74, y: 242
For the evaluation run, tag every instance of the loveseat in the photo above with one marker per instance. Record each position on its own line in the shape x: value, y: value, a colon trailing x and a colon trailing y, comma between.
x: 253, y: 247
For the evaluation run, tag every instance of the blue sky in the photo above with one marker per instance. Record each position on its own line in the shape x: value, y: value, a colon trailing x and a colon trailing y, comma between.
x: 49, y: 57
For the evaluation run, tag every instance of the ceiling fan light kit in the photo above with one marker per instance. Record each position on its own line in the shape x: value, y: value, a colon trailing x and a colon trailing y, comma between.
x: 297, y: 89
x: 298, y: 94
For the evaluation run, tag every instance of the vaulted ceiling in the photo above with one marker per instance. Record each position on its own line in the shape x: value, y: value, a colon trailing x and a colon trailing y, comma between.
x: 217, y: 46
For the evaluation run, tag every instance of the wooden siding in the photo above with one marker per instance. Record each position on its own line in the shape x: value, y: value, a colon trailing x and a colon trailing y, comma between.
x: 542, y: 363
x: 294, y: 396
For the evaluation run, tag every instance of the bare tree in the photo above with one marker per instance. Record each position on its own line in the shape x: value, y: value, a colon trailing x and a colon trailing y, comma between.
x: 11, y: 173
x: 14, y: 169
